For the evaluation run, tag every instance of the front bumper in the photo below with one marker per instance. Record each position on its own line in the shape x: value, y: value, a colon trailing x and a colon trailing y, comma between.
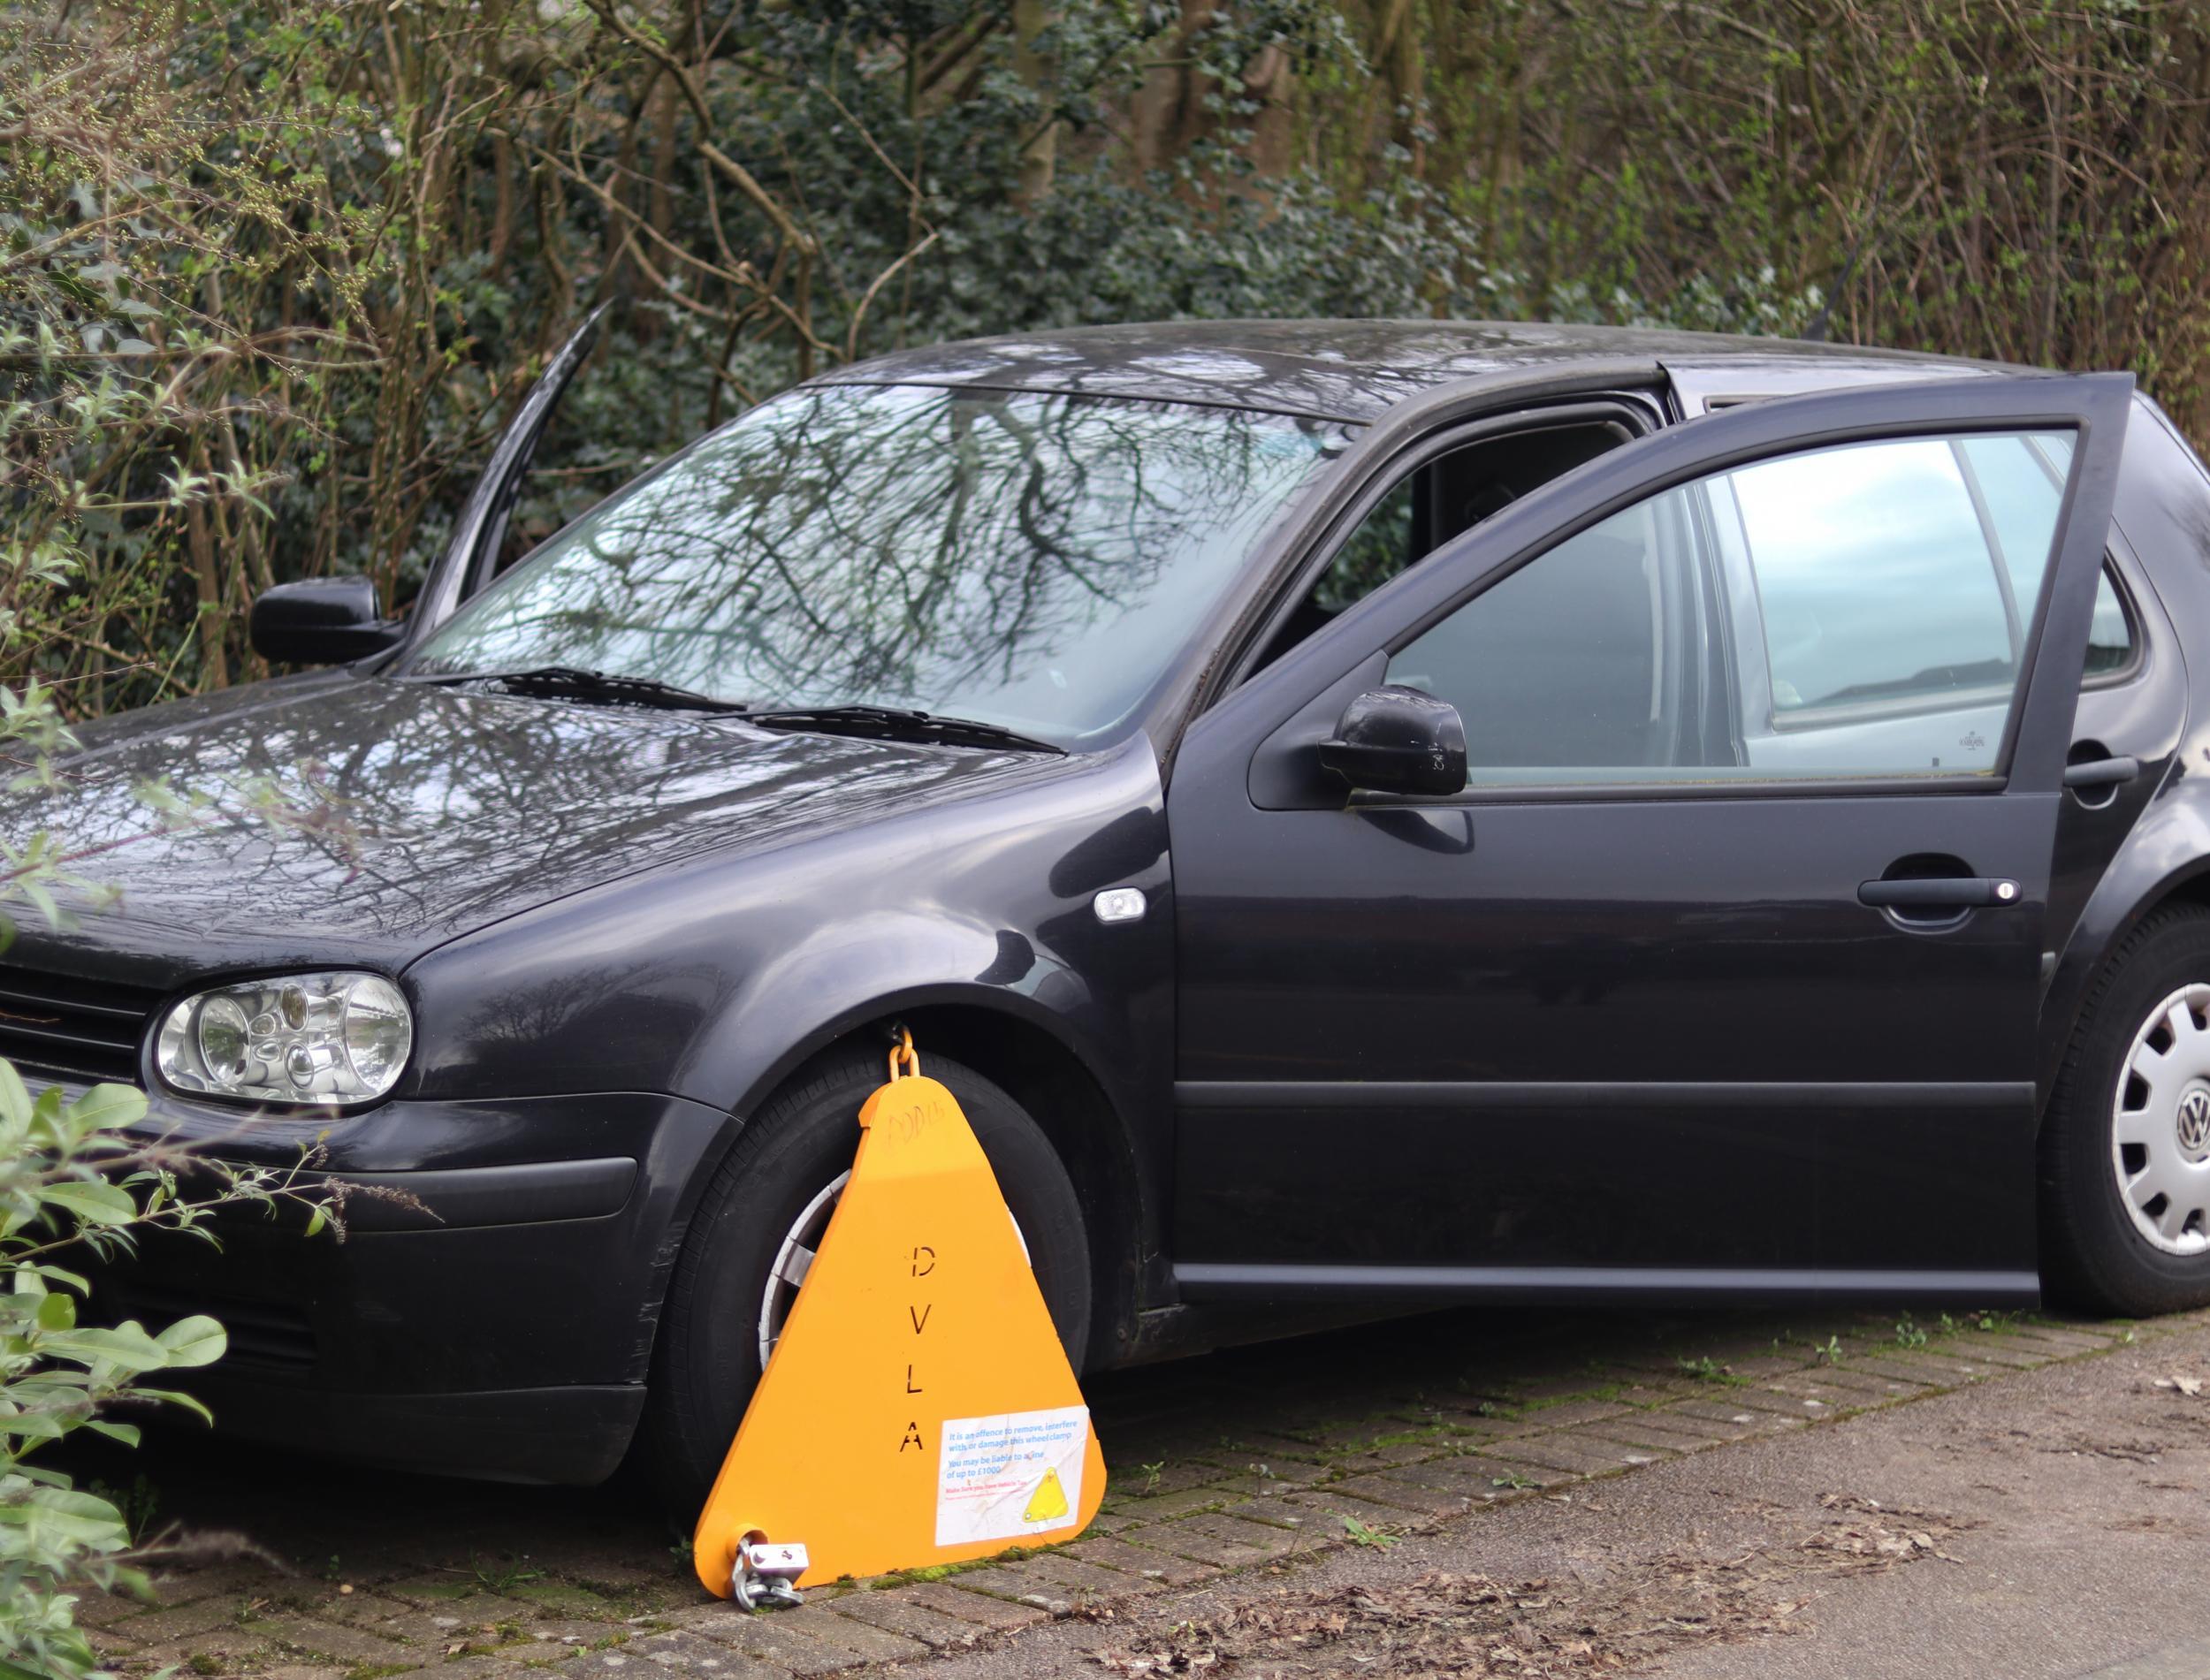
x: 489, y: 1309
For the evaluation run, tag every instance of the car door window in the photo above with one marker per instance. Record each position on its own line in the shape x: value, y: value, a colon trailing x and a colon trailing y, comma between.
x: 2110, y: 641
x: 2020, y: 480
x: 2017, y: 486
x: 1590, y: 659
x: 1848, y: 611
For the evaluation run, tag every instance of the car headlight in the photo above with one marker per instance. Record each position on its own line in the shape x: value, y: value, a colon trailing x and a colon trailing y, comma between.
x: 336, y: 1038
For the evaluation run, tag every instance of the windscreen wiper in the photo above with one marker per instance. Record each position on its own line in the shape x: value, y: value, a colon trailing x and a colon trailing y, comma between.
x: 602, y: 688
x: 893, y: 723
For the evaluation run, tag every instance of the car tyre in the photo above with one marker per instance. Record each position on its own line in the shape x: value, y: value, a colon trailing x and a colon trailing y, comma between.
x: 2096, y: 1254
x: 706, y: 1356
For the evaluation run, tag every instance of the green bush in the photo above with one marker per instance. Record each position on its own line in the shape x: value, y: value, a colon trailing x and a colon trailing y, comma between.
x: 67, y: 1178
x: 76, y: 1181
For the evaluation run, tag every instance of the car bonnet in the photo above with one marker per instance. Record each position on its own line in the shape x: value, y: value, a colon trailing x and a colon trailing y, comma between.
x: 370, y: 819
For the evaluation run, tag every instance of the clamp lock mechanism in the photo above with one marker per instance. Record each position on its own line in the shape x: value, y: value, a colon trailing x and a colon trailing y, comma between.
x: 766, y: 1572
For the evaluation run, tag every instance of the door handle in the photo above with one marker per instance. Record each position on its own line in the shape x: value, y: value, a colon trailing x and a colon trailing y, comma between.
x: 2102, y: 772
x: 1939, y: 892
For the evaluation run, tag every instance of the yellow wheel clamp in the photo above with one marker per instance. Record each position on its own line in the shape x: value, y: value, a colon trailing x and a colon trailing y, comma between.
x: 918, y: 1408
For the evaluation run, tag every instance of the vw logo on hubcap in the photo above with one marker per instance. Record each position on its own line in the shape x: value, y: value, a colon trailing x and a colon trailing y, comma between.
x: 2194, y: 1124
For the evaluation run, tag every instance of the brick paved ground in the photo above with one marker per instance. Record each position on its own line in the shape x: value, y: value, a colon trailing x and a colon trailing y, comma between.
x: 1244, y: 1461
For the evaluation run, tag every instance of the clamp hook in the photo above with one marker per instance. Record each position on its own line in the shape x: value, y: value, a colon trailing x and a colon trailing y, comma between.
x: 902, y: 1055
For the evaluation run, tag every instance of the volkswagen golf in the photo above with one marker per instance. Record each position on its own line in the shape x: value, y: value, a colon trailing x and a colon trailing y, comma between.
x: 1364, y: 815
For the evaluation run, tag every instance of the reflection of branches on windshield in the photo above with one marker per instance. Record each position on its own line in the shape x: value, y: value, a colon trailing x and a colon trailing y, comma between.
x: 1033, y: 489
x: 964, y: 550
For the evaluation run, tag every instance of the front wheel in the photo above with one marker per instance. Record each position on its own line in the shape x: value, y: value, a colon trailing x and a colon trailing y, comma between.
x: 763, y: 1215
x: 2125, y: 1148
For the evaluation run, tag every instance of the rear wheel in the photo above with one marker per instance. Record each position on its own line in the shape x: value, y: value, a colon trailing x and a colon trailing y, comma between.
x: 2125, y: 1150
x: 760, y: 1220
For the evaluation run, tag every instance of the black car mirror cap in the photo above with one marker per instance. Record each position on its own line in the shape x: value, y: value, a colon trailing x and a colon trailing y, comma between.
x: 1396, y: 740
x: 320, y: 620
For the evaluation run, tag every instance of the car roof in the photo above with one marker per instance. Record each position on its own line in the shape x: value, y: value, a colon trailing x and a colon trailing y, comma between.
x: 1353, y: 370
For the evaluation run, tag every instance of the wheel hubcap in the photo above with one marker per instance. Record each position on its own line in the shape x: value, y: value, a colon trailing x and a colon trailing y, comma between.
x: 793, y: 1260
x: 2194, y: 1126
x: 2160, y: 1133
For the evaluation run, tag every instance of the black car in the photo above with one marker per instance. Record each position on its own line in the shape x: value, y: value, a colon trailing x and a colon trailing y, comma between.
x: 1364, y: 815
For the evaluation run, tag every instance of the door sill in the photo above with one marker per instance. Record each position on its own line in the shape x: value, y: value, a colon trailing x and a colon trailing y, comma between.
x: 1595, y: 1285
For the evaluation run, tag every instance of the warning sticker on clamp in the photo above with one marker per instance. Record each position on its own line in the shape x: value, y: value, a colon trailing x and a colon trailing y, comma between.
x: 1015, y: 1474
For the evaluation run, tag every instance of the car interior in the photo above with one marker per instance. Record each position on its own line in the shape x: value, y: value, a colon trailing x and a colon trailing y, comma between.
x: 1437, y: 500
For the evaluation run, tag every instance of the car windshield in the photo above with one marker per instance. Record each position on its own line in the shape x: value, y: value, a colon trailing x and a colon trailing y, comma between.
x: 1027, y: 559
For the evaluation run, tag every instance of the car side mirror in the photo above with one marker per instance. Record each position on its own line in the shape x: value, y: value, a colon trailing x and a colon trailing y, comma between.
x: 320, y: 620
x: 1399, y: 740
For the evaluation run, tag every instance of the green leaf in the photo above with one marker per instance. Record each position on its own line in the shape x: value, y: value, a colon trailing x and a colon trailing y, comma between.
x: 72, y: 1517
x: 57, y: 1312
x: 106, y: 1108
x: 176, y: 1397
x: 197, y: 1341
x: 15, y: 1101
x: 91, y: 1201
x: 28, y: 886
x: 34, y: 1426
x: 58, y: 1274
x: 125, y: 1348
x: 127, y: 1433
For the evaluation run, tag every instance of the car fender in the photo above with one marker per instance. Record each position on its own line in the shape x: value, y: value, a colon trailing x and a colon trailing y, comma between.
x: 815, y: 995
x: 715, y: 978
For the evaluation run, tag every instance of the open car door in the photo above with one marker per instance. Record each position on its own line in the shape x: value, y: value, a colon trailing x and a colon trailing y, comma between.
x: 336, y: 620
x: 1714, y: 967
x: 471, y: 558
